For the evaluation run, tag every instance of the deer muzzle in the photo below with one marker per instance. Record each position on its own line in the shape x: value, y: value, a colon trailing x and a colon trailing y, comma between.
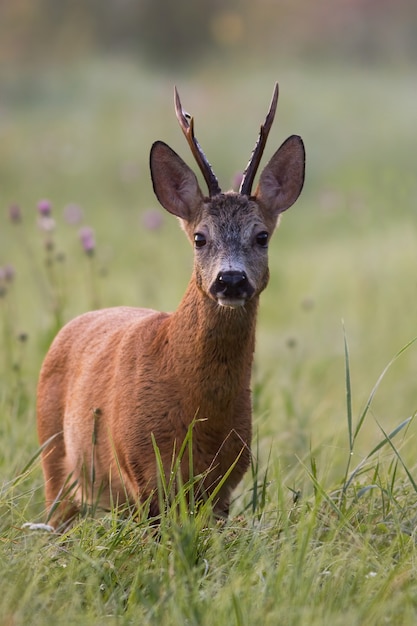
x: 232, y: 289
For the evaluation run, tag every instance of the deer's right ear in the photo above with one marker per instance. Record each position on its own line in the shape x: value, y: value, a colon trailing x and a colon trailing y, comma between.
x: 282, y: 180
x: 174, y: 183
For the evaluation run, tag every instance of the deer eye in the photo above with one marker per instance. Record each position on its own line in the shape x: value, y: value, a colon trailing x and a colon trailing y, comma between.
x: 262, y: 239
x: 199, y: 240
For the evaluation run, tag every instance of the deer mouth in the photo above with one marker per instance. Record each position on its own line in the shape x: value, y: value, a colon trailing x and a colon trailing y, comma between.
x: 231, y: 303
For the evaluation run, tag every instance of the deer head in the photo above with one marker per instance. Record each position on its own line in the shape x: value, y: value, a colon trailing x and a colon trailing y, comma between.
x: 230, y: 231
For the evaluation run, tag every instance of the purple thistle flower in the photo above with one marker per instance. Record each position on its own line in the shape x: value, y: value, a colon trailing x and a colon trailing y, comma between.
x: 237, y: 180
x: 88, y: 243
x: 8, y: 273
x: 152, y: 219
x: 15, y: 214
x: 6, y: 276
x: 73, y: 214
x: 44, y: 208
x: 46, y: 223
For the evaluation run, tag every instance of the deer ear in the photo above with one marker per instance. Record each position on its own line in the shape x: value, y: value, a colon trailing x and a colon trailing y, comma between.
x: 174, y: 183
x: 282, y: 179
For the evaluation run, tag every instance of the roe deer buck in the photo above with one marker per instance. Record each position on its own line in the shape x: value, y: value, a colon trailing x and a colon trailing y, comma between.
x: 116, y: 381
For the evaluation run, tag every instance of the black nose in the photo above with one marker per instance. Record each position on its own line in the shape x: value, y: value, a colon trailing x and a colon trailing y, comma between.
x: 231, y: 284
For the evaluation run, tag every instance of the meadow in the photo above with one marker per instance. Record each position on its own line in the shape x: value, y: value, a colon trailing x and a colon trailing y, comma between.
x: 322, y: 529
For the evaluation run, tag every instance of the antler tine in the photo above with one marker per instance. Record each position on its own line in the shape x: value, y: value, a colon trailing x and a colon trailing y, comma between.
x: 188, y: 130
x: 252, y: 166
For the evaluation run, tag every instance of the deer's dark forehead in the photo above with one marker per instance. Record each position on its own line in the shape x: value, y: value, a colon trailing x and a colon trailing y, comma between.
x: 232, y: 212
x: 231, y: 203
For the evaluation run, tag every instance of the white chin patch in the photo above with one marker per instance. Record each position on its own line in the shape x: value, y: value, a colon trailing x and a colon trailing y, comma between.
x: 231, y: 303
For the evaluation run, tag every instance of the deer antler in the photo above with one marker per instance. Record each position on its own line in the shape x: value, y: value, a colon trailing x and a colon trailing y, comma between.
x: 252, y: 166
x: 188, y: 130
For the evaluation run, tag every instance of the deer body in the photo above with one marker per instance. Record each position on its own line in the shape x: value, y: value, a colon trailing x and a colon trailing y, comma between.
x: 115, y: 379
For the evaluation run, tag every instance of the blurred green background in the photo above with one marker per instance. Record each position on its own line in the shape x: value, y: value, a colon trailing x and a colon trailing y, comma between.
x: 86, y: 87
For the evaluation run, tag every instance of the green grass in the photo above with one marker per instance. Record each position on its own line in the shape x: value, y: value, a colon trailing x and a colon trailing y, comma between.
x: 322, y: 529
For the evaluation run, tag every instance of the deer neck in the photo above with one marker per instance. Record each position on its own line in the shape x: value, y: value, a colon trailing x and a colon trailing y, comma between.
x: 214, y: 346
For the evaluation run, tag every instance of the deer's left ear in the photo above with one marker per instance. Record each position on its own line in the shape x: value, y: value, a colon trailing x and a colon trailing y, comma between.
x: 174, y: 183
x: 282, y: 179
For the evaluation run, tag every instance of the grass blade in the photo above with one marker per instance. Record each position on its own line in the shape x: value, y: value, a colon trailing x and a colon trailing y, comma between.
x: 348, y: 394
x: 377, y: 384
x: 387, y: 440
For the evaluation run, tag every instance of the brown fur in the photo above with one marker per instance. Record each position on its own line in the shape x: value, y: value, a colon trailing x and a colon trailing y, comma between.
x: 114, y: 378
